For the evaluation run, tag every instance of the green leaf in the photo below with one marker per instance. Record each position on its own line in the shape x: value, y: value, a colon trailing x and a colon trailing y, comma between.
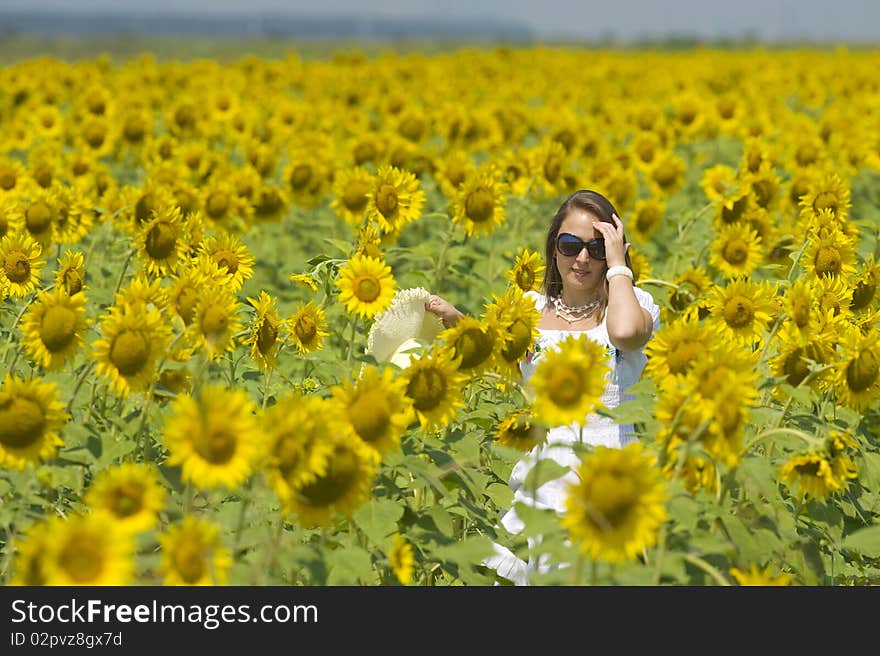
x: 866, y: 540
x: 378, y: 519
x: 349, y: 566
x: 469, y: 551
x: 537, y: 521
x: 442, y: 520
x: 546, y: 470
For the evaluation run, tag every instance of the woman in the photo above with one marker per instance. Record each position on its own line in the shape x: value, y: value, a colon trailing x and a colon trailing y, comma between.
x: 588, y: 292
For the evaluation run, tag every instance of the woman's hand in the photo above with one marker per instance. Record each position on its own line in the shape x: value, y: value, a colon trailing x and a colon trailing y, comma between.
x: 447, y: 312
x: 615, y: 248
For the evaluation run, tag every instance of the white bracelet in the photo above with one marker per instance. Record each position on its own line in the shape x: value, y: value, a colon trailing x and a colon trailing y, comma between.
x: 619, y: 270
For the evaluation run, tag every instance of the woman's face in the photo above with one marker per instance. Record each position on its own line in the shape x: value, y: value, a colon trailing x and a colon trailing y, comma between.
x: 580, y: 273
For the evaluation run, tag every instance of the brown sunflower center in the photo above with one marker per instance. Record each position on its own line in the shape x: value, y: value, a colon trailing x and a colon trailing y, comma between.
x: 8, y: 179
x: 72, y: 281
x: 564, y: 386
x: 665, y: 174
x: 186, y: 304
x: 795, y: 367
x: 474, y: 346
x: 217, y: 204
x: 95, y: 134
x: 736, y: 251
x: 144, y: 207
x: 134, y: 129
x: 427, y: 388
x: 57, y: 328
x: 227, y: 259
x: 214, y: 321
x: 305, y: 328
x: 18, y: 267
x: 216, y: 444
x: 863, y: 294
x: 800, y: 312
x: 387, y: 200
x: 370, y: 414
x: 189, y: 561
x: 738, y: 312
x: 44, y: 175
x: 81, y: 558
x: 480, y: 205
x: 268, y: 202
x: 300, y: 176
x: 355, y: 196
x: 519, y: 338
x: 825, y: 200
x: 22, y: 421
x: 828, y: 261
x: 552, y: 169
x: 612, y: 499
x: 682, y: 356
x: 735, y: 211
x: 267, y: 334
x: 806, y: 154
x: 861, y: 372
x: 127, y: 499
x: 525, y: 278
x: 367, y: 288
x: 38, y: 217
x: 342, y: 471
x: 364, y: 152
x: 412, y: 128
x: 161, y: 240
x: 129, y: 352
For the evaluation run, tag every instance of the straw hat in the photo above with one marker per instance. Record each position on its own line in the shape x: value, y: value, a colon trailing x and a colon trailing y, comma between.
x: 403, y: 328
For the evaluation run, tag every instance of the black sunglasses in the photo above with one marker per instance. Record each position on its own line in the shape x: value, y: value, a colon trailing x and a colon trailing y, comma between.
x: 570, y: 246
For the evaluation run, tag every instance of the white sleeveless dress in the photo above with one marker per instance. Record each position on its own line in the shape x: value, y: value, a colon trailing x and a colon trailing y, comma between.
x: 625, y: 369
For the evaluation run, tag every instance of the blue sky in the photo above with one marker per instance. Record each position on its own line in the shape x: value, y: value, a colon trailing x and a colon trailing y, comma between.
x: 815, y: 20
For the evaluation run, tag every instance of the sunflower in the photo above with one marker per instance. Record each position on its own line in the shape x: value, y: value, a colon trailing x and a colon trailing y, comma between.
x: 299, y: 433
x: 9, y: 211
x: 215, y: 321
x: 394, y: 199
x: 29, y: 566
x: 268, y: 203
x: 376, y: 406
x: 549, y: 164
x: 865, y: 292
x: 13, y: 178
x: 231, y: 256
x: 473, y: 343
x: 455, y: 167
x: 434, y: 385
x: 833, y: 296
x: 568, y: 382
x: 797, y: 352
x: 479, y: 203
x: 718, y: 182
x: 760, y: 577
x: 647, y: 218
x: 193, y: 554
x: 133, y: 338
x: 516, y: 318
x: 401, y: 559
x: 74, y: 215
x: 829, y: 192
x: 830, y: 252
x: 343, y: 487
x: 306, y: 328
x: 215, y: 438
x: 676, y: 347
x: 809, y: 476
x: 53, y: 327
x: 306, y: 177
x: 160, y: 242
x: 521, y: 430
x: 88, y: 550
x: 350, y: 194
x: 20, y: 257
x: 691, y: 295
x: 857, y: 372
x: 141, y: 290
x: 219, y: 203
x: 616, y: 509
x: 527, y: 270
x: 131, y: 493
x: 736, y: 251
x: 666, y: 174
x: 307, y: 280
x: 71, y: 273
x: 515, y: 172
x: 366, y: 286
x: 640, y: 264
x: 742, y: 309
x: 264, y: 331
x: 31, y: 416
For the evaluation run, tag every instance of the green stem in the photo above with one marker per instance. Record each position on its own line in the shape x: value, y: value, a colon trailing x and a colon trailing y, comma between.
x: 125, y: 264
x: 440, y: 268
x: 352, y: 333
x: 709, y: 569
x: 79, y: 382
x: 661, y: 554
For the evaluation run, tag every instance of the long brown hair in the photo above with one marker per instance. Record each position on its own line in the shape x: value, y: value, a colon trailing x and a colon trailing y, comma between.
x: 600, y: 207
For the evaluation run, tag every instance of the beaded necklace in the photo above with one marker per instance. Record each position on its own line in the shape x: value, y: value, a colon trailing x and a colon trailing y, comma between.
x: 574, y: 313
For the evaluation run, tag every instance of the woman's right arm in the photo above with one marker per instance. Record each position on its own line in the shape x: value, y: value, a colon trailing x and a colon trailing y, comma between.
x: 447, y: 312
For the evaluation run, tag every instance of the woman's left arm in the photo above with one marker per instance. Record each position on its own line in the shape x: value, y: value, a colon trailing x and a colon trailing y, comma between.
x: 629, y: 324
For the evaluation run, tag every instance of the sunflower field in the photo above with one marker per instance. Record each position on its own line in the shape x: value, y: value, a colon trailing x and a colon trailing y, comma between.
x: 193, y: 253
